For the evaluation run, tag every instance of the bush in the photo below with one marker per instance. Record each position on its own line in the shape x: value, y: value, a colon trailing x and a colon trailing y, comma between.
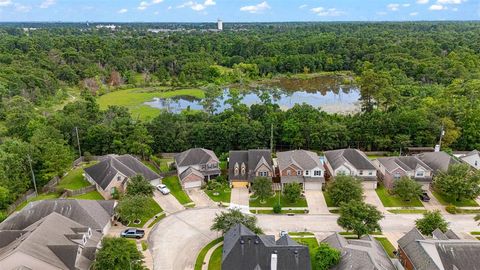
x: 87, y: 157
x: 3, y: 216
x: 138, y: 185
x: 277, y: 208
x: 326, y: 257
x: 452, y: 209
x: 214, y: 185
x: 222, y: 179
x: 407, y: 189
x: 262, y: 187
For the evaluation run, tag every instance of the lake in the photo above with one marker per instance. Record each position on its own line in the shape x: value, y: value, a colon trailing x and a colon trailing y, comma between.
x: 320, y: 92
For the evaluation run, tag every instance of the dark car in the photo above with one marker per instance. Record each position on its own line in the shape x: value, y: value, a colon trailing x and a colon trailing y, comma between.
x: 424, y: 197
x: 133, y: 233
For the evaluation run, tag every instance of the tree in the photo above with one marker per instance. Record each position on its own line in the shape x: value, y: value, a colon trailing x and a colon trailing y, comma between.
x: 292, y: 191
x: 407, y: 189
x: 431, y: 221
x: 345, y: 189
x: 118, y: 254
x: 359, y: 217
x: 326, y: 256
x: 131, y: 208
x: 460, y: 182
x: 262, y: 188
x: 4, y: 197
x: 138, y: 185
x: 225, y: 220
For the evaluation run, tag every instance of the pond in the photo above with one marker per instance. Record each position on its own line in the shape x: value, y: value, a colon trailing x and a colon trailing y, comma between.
x: 324, y: 93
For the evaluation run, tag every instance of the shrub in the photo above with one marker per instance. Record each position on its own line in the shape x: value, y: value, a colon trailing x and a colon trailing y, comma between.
x: 326, y: 256
x: 214, y: 185
x: 451, y: 209
x: 277, y: 208
x: 87, y: 157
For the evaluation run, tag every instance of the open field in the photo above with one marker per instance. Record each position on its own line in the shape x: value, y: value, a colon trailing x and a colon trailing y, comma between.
x: 134, y: 98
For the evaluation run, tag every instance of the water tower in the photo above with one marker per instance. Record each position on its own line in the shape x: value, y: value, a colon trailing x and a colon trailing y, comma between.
x: 220, y: 25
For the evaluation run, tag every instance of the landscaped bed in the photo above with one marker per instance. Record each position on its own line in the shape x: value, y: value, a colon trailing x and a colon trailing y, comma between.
x: 389, y: 200
x: 270, y: 202
x: 176, y: 190
x: 222, y: 194
x: 389, y: 248
x: 328, y: 199
x: 201, y: 256
x: 445, y: 200
x: 284, y: 212
x: 407, y: 211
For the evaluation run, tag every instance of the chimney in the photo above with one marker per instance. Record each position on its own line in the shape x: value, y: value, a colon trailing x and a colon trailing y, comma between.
x: 273, y: 262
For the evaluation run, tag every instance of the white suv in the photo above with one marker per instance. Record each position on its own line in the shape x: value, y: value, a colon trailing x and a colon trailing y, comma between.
x: 163, y: 189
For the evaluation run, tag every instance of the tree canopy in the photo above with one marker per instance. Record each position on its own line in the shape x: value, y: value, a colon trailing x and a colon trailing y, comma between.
x: 359, y: 217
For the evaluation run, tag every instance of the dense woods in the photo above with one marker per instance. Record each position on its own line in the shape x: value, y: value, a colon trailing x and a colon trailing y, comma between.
x: 414, y: 79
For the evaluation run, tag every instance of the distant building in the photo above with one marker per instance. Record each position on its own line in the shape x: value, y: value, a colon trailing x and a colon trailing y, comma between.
x: 472, y: 158
x: 390, y: 169
x: 220, y: 25
x: 351, y: 162
x: 196, y: 166
x: 438, y: 161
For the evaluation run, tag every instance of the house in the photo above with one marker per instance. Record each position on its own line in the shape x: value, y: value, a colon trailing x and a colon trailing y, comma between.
x: 438, y: 161
x: 112, y: 174
x: 351, y: 162
x: 391, y: 169
x: 442, y: 251
x: 301, y: 166
x: 245, y: 166
x: 54, y: 234
x: 244, y: 250
x: 365, y: 253
x: 472, y: 158
x: 195, y: 166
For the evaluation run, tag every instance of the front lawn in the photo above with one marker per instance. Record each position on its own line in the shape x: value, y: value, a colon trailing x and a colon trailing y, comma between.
x: 395, y: 201
x: 270, y: 202
x: 446, y: 200
x: 220, y: 195
x: 173, y: 184
x: 215, y: 262
x: 408, y: 211
x: 152, y: 209
x: 201, y: 256
x: 389, y: 248
x: 43, y: 196
x: 94, y: 195
x: 74, y: 179
x: 328, y: 199
x: 312, y: 245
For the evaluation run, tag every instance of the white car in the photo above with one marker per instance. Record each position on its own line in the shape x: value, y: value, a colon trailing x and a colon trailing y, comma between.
x: 163, y: 189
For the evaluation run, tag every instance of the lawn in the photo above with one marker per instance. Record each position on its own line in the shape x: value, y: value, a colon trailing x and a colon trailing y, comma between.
x: 328, y: 199
x: 164, y: 164
x: 215, y: 262
x: 389, y: 248
x: 407, y: 211
x: 201, y: 256
x: 44, y: 196
x: 393, y: 200
x: 173, y: 184
x: 134, y: 98
x: 312, y: 245
x: 224, y: 194
x: 94, y: 195
x: 284, y: 212
x: 293, y: 234
x: 270, y: 202
x: 152, y: 209
x: 160, y: 217
x: 150, y: 166
x: 445, y: 200
x: 74, y: 179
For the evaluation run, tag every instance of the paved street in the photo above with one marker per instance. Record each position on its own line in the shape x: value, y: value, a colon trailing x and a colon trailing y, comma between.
x: 316, y: 202
x: 200, y: 198
x: 168, y: 203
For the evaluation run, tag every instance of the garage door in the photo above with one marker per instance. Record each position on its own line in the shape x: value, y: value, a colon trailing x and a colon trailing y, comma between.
x: 193, y: 184
x: 313, y: 186
x: 369, y: 184
x: 239, y: 184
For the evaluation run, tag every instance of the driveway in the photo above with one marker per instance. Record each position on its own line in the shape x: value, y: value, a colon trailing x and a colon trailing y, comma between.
x: 371, y: 197
x: 168, y: 203
x: 240, y: 197
x: 200, y: 198
x: 316, y: 202
x: 434, y: 204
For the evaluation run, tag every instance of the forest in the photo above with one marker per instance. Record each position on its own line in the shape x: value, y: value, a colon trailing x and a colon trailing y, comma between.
x: 415, y: 80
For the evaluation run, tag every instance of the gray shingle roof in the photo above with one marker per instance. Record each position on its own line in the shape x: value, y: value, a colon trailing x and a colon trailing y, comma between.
x: 306, y: 160
x: 104, y: 172
x: 357, y: 158
x: 244, y: 250
x: 252, y: 159
x: 194, y: 156
x: 438, y: 161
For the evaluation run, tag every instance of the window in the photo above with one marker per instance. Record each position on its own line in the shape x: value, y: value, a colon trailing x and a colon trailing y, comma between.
x: 307, y: 172
x: 243, y: 169
x: 299, y: 172
x: 203, y: 167
x: 209, y: 166
x: 317, y: 173
x: 341, y: 173
x: 420, y: 173
x: 236, y: 169
x: 476, y: 163
x: 289, y: 172
x: 360, y: 172
x: 396, y: 176
x: 263, y: 174
x: 119, y: 178
x: 370, y: 173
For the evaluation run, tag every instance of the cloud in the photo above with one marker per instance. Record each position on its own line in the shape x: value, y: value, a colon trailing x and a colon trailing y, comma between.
x: 324, y: 12
x: 303, y: 6
x: 422, y: 2
x: 123, y: 10
x: 197, y: 6
x: 4, y: 3
x: 22, y: 8
x: 405, y: 5
x: 47, y: 3
x: 144, y: 4
x: 256, y: 8
x: 413, y: 14
x: 437, y: 7
x: 393, y: 7
x: 456, y: 2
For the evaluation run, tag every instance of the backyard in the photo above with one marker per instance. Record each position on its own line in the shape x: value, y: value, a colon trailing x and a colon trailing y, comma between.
x: 74, y: 179
x: 270, y: 202
x: 389, y: 200
x: 176, y: 190
x: 94, y: 195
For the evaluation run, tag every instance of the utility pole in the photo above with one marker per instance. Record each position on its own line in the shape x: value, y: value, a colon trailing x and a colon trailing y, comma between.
x: 78, y: 142
x: 33, y: 175
x: 271, y: 137
x: 442, y: 133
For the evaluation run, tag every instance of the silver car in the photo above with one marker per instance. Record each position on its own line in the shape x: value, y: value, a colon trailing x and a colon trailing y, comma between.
x: 163, y: 189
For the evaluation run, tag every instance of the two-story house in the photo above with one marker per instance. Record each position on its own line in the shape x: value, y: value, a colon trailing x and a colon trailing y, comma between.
x: 301, y: 166
x: 196, y: 166
x: 472, y: 158
x: 351, y: 162
x: 245, y: 165
x: 438, y: 161
x: 391, y: 169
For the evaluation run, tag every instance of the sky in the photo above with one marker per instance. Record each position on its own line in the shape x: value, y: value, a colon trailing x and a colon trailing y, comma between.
x: 237, y: 10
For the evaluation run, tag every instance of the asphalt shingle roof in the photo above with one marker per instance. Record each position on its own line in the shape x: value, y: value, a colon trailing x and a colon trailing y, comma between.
x: 357, y: 158
x: 438, y: 161
x: 252, y: 159
x: 194, y: 156
x: 306, y: 160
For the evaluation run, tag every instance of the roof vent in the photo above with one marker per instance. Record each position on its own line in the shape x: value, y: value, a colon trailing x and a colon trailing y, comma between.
x: 242, y: 242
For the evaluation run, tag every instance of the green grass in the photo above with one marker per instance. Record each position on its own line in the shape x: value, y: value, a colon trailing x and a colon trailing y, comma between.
x: 224, y: 194
x: 312, y: 245
x: 152, y: 209
x: 475, y: 233
x: 328, y: 199
x: 223, y: 165
x: 144, y: 245
x: 134, y: 98
x: 176, y: 190
x: 44, y: 196
x: 270, y: 202
x: 74, y: 179
x: 446, y: 200
x: 407, y: 211
x: 215, y: 262
x: 284, y: 212
x: 389, y: 248
x: 150, y: 166
x: 164, y: 164
x: 352, y: 233
x: 160, y: 217
x: 468, y: 211
x: 293, y: 234
x: 395, y: 201
x: 94, y: 195
x: 201, y: 256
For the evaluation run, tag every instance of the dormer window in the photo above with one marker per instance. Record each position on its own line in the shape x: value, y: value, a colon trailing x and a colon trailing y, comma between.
x: 243, y: 169
x: 307, y: 172
x: 360, y: 172
x: 263, y: 174
x: 84, y: 239
x: 89, y: 232
x: 236, y: 169
x: 289, y: 172
x: 317, y: 173
x: 119, y: 178
x: 420, y: 174
x: 299, y: 172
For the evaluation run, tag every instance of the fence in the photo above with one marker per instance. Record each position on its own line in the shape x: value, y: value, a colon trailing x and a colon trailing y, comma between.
x: 25, y: 197
x: 81, y: 191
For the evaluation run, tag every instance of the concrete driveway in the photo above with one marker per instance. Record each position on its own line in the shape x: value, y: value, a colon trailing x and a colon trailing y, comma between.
x: 434, y: 204
x: 168, y: 202
x: 371, y: 197
x: 316, y: 202
x: 240, y: 197
x: 200, y: 198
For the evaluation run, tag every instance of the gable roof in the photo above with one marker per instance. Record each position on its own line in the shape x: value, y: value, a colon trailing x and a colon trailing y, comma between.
x: 189, y: 171
x: 252, y: 159
x: 104, y: 172
x: 406, y: 163
x: 438, y: 161
x: 306, y: 160
x: 194, y: 156
x: 363, y: 254
x: 355, y: 157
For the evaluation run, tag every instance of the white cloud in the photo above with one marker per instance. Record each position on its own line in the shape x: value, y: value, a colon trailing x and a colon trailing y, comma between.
x: 209, y: 3
x: 437, y: 7
x: 22, y: 8
x: 413, y: 14
x: 169, y: 7
x: 321, y: 11
x: 144, y: 4
x: 197, y: 6
x: 456, y: 2
x: 303, y: 6
x: 405, y: 5
x: 393, y: 7
x: 156, y: 12
x: 47, y: 3
x: 157, y: 1
x: 123, y: 10
x: 4, y: 3
x: 256, y: 8
x: 422, y: 2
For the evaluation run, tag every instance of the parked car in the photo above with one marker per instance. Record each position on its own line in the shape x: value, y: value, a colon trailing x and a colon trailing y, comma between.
x: 424, y: 197
x: 163, y: 189
x: 133, y: 233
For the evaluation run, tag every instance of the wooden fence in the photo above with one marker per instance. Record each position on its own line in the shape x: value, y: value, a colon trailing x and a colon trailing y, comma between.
x: 25, y: 197
x: 81, y: 191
